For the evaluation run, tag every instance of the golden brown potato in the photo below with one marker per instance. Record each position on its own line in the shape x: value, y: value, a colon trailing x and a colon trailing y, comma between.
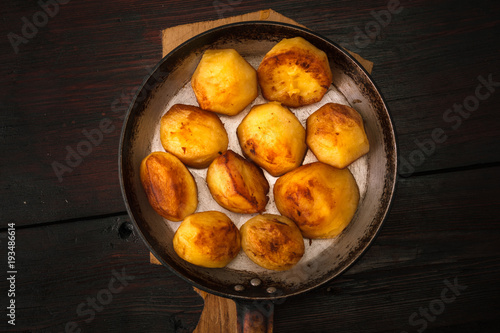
x: 169, y: 186
x: 336, y: 135
x: 295, y: 73
x: 272, y: 241
x: 272, y: 137
x: 224, y: 82
x: 321, y: 199
x: 208, y: 239
x: 237, y: 184
x: 194, y: 135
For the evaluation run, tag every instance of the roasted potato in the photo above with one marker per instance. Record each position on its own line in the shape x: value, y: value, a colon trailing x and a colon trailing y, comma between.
x: 224, y: 82
x: 237, y: 184
x: 208, y: 239
x: 169, y: 186
x: 272, y: 241
x: 336, y: 135
x: 194, y: 135
x: 319, y: 198
x: 272, y: 137
x: 295, y: 73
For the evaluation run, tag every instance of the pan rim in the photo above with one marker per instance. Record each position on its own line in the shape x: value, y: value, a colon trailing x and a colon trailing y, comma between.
x: 393, y: 175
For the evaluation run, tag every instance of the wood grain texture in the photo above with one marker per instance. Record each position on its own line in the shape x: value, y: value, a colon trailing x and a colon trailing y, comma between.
x: 429, y: 237
x: 219, y: 314
x: 84, y: 64
x: 62, y: 267
x: 174, y: 36
x: 81, y: 70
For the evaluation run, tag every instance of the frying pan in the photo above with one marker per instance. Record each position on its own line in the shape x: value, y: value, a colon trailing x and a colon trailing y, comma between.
x: 251, y: 286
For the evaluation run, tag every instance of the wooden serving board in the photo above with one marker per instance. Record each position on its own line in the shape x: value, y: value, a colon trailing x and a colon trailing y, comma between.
x: 219, y: 314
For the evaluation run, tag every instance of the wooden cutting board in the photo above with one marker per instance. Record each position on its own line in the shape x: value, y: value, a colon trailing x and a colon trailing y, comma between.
x: 219, y: 314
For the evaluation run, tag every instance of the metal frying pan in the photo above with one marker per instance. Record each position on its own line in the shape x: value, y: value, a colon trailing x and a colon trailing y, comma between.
x: 375, y: 173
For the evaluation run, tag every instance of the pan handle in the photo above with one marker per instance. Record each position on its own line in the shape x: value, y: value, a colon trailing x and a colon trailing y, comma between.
x: 255, y: 316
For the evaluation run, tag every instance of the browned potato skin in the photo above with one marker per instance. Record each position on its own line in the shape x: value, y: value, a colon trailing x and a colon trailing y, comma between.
x: 169, y: 186
x: 295, y: 73
x: 319, y: 198
x: 207, y: 239
x: 224, y: 82
x: 272, y: 137
x: 194, y: 135
x: 237, y: 184
x: 336, y: 135
x: 272, y: 241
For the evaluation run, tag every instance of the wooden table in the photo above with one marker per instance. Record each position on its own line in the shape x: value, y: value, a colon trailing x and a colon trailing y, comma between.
x: 68, y: 72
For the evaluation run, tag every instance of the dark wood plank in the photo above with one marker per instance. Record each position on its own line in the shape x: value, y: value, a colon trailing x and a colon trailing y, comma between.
x: 62, y: 267
x: 430, y: 236
x: 81, y: 69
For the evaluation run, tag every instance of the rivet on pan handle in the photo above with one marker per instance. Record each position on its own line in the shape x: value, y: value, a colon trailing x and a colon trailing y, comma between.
x: 255, y: 316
